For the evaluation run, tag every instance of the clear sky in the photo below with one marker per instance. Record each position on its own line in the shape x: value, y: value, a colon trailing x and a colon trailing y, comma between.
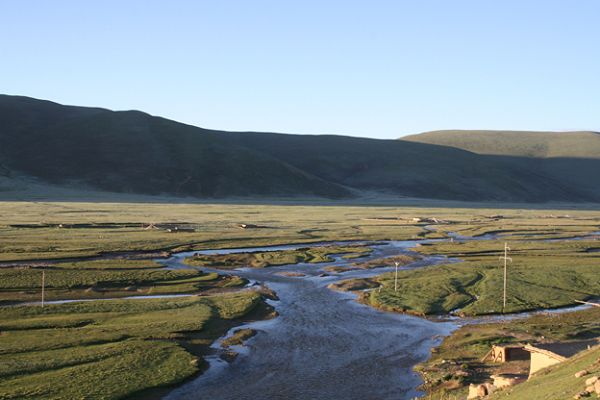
x: 364, y: 68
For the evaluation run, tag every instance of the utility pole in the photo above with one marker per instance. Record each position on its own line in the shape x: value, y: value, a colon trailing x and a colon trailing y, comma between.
x: 43, y: 286
x: 396, y: 277
x: 506, y: 259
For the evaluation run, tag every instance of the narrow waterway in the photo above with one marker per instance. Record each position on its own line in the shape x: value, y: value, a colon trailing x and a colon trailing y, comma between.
x: 323, y: 344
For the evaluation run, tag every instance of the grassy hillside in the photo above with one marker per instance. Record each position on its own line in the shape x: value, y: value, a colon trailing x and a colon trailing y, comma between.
x: 133, y: 152
x: 517, y: 143
x: 569, y: 159
x: 411, y: 169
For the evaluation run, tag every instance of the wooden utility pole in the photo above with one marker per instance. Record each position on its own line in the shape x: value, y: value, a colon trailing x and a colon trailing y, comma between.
x: 396, y: 277
x: 43, y: 286
x: 506, y: 259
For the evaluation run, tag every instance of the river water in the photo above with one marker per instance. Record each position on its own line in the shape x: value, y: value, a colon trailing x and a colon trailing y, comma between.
x: 323, y: 345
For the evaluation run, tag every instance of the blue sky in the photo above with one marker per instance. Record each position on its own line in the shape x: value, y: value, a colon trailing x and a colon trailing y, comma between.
x: 364, y: 68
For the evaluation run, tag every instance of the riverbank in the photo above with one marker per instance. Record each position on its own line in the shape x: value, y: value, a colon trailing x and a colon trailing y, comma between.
x: 101, y: 279
x: 117, y: 348
x: 333, y: 346
x: 323, y: 344
x: 541, y: 275
x: 459, y: 360
x: 544, y: 274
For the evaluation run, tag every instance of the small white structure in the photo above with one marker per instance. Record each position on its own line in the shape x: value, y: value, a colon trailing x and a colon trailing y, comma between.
x: 546, y: 354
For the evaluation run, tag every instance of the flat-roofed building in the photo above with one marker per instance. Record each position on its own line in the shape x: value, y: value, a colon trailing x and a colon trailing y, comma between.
x: 504, y: 353
x: 546, y: 354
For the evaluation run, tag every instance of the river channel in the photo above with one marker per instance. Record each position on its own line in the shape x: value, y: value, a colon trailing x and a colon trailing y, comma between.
x: 323, y: 345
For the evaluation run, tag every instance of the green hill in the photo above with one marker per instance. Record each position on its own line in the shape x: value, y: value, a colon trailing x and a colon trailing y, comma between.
x: 416, y: 169
x: 133, y: 152
x: 580, y: 144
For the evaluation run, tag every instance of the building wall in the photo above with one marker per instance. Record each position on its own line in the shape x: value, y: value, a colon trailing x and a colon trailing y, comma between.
x: 508, y: 353
x: 539, y: 361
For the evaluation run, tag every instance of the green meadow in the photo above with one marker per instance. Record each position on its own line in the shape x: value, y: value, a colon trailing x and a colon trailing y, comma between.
x: 111, y: 349
x: 561, y: 271
x: 117, y: 349
x: 541, y: 275
x: 105, y: 279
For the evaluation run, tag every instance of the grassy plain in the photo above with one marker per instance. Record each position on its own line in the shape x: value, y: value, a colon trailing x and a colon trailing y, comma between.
x: 566, y: 270
x: 105, y: 279
x: 110, y: 349
x: 115, y: 349
x: 215, y: 225
x: 541, y: 275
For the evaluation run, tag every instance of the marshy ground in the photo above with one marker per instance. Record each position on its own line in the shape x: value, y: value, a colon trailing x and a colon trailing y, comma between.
x: 124, y: 348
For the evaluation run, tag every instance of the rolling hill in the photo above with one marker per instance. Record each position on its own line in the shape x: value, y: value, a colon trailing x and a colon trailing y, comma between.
x: 133, y: 152
x: 580, y: 144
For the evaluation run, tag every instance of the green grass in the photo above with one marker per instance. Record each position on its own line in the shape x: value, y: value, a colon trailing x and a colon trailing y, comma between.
x: 238, y: 337
x: 401, y: 259
x: 353, y: 285
x: 517, y: 143
x: 542, y: 275
x: 215, y: 227
x: 86, y: 347
x: 109, y: 349
x: 263, y: 259
x: 104, y: 279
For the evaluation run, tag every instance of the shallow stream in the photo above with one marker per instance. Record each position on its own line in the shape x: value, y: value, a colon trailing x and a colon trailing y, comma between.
x: 323, y: 345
